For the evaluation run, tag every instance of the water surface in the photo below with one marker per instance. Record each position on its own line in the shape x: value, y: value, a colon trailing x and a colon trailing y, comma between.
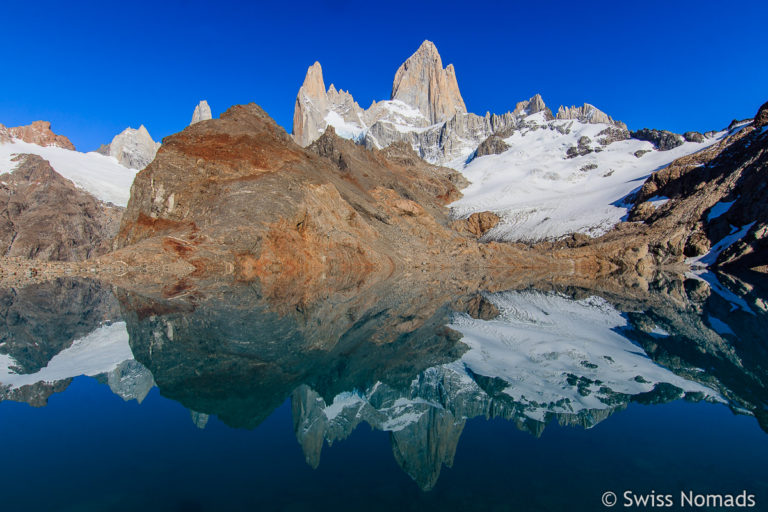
x: 402, y: 396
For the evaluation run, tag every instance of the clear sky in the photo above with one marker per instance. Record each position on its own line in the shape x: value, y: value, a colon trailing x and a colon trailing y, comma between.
x: 94, y: 68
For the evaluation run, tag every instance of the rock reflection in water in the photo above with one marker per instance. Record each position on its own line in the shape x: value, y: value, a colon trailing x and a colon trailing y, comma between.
x: 417, y: 361
x: 413, y: 358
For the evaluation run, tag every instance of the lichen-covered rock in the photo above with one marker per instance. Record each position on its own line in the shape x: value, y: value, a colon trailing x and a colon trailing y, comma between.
x: 493, y: 145
x: 662, y: 140
x: 612, y: 134
x: 480, y: 223
x: 240, y: 188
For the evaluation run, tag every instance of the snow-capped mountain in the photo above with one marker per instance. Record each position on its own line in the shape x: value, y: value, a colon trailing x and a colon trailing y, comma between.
x: 107, y: 173
x: 545, y: 356
x: 101, y: 175
x: 132, y: 148
x: 425, y: 109
x: 545, y: 175
x: 557, y: 177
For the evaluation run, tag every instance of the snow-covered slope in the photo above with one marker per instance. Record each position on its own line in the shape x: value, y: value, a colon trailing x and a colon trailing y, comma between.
x: 100, y: 175
x: 99, y: 352
x: 541, y: 194
x: 548, y: 355
x: 561, y: 355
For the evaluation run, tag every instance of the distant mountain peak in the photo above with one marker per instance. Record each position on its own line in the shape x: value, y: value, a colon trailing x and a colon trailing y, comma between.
x: 587, y: 114
x: 39, y: 133
x: 423, y: 83
x: 202, y: 113
x: 133, y: 148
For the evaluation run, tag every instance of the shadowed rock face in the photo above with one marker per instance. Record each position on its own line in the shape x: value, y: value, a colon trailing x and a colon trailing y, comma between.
x: 493, y: 145
x: 44, y: 216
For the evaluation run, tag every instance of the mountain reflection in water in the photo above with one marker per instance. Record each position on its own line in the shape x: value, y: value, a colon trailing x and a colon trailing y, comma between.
x: 414, y: 358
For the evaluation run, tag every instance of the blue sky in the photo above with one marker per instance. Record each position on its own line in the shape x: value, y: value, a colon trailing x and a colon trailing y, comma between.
x: 93, y: 68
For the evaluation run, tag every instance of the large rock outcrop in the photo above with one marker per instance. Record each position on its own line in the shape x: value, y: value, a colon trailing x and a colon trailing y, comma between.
x: 132, y: 148
x: 202, y: 112
x: 239, y: 184
x: 44, y: 216
x: 662, y: 140
x: 38, y: 133
x: 423, y: 83
x: 236, y: 195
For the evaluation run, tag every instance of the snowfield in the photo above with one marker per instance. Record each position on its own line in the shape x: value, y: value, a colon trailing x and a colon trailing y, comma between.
x: 554, y: 354
x: 100, y: 175
x: 99, y: 352
x: 541, y: 195
x: 539, y: 339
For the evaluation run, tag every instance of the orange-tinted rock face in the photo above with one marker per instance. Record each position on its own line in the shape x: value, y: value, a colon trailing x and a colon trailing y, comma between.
x: 280, y: 213
x: 38, y: 133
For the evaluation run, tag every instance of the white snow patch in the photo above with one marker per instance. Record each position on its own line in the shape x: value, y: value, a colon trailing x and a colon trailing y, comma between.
x: 658, y: 201
x: 709, y: 258
x: 99, y: 352
x: 716, y: 286
x: 539, y: 339
x: 341, y: 402
x: 100, y: 175
x: 344, y: 129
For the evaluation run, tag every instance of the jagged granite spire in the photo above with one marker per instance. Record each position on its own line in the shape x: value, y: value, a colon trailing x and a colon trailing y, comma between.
x: 422, y: 83
x: 202, y: 113
x: 311, y: 107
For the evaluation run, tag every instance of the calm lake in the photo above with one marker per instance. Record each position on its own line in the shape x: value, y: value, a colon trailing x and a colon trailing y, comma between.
x: 399, y: 396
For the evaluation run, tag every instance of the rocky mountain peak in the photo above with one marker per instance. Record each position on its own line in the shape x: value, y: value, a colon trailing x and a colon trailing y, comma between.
x: 133, y: 148
x: 532, y: 106
x: 423, y: 83
x: 761, y: 119
x: 311, y: 106
x: 314, y: 86
x: 39, y: 133
x: 587, y: 114
x: 202, y: 113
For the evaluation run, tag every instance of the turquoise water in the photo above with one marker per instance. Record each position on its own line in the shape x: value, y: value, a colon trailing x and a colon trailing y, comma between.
x: 527, y: 400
